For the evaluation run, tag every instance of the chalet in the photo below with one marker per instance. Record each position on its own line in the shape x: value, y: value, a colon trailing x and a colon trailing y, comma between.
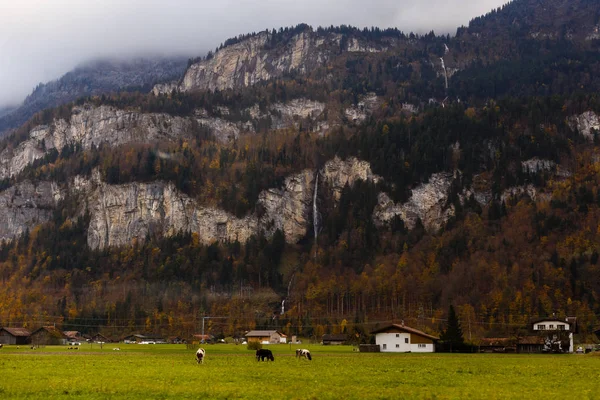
x: 100, y: 338
x: 556, y: 332
x: 14, y: 336
x: 401, y: 338
x: 334, y: 339
x: 265, y: 337
x: 48, y: 335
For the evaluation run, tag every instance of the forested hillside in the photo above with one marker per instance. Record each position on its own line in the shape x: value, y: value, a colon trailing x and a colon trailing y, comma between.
x: 383, y: 184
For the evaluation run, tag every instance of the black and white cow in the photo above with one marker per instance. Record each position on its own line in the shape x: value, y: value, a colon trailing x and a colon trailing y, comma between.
x: 261, y: 354
x: 1, y: 345
x: 303, y: 353
x: 200, y: 356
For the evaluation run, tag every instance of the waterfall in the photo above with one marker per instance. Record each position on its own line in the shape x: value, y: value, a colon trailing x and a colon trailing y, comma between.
x: 283, y: 307
x: 315, y: 209
x: 445, y: 74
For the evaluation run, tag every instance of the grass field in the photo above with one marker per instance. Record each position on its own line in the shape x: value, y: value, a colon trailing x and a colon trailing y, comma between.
x: 336, y: 372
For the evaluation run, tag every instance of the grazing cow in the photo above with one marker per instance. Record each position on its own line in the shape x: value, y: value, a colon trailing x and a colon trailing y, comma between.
x: 261, y: 354
x: 117, y: 349
x: 1, y: 345
x: 303, y: 353
x: 200, y: 356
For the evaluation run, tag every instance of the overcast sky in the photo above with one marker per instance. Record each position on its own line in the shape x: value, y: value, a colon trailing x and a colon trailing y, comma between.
x: 40, y: 40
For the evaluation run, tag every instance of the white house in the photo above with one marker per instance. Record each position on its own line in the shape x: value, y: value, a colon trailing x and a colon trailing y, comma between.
x: 558, y: 332
x: 402, y: 339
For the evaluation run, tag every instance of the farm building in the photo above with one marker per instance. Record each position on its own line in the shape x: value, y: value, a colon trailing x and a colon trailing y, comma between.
x: 401, y: 338
x: 556, y: 332
x: 497, y: 345
x: 337, y: 339
x: 47, y: 335
x: 265, y: 337
x: 530, y: 344
x: 100, y: 338
x: 14, y: 336
x: 144, y: 338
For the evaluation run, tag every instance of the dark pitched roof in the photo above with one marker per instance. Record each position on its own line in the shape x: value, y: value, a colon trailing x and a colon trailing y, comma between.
x: 404, y: 328
x: 17, y: 332
x: 52, y: 330
x: 531, y: 340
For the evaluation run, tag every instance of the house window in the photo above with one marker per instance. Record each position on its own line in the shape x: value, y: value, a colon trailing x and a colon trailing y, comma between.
x: 422, y: 346
x: 384, y: 346
x: 397, y: 335
x: 397, y: 346
x: 551, y: 327
x: 560, y: 327
x: 541, y: 327
x: 405, y: 340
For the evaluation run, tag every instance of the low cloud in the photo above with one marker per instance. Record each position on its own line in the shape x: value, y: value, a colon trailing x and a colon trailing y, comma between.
x: 40, y: 40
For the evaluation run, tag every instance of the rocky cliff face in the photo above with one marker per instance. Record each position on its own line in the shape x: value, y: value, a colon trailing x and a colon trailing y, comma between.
x: 92, y: 126
x: 427, y: 202
x: 337, y: 173
x: 254, y: 60
x: 121, y: 214
x: 26, y: 205
x: 586, y: 124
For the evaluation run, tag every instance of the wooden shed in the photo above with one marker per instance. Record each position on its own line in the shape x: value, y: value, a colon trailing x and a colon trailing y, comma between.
x: 14, y: 336
x: 48, y: 335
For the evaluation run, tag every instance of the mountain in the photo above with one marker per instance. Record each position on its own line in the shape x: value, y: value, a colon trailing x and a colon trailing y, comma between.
x: 90, y: 79
x: 344, y: 175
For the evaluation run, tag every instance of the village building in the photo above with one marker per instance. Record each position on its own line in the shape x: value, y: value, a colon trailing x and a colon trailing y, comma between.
x: 266, y: 337
x: 16, y: 336
x: 557, y: 333
x: 100, y: 338
x: 48, y: 335
x: 401, y: 338
x: 199, y: 338
x: 334, y: 339
x: 146, y: 338
x: 497, y: 345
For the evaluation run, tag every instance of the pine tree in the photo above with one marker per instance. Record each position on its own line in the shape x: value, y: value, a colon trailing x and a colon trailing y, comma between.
x: 453, y: 334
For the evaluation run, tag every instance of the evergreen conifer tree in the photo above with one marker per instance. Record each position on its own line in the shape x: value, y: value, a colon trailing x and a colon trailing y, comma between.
x: 453, y: 335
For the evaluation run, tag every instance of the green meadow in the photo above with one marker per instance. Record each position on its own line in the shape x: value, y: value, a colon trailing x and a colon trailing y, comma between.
x: 336, y: 372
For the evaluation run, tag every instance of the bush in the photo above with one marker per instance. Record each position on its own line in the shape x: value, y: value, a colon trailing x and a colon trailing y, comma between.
x: 254, y: 345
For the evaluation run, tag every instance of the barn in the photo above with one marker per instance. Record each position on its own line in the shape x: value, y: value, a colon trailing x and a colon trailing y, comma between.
x: 265, y: 337
x: 14, y: 336
x: 47, y: 335
x: 403, y: 339
x: 335, y: 339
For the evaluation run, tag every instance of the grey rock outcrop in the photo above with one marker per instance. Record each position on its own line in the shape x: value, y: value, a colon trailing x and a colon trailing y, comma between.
x: 90, y: 126
x: 359, y: 112
x: 339, y: 173
x: 253, y: 60
x: 586, y: 123
x: 121, y: 214
x: 26, y: 205
x: 536, y: 165
x: 288, y: 208
x: 427, y: 202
